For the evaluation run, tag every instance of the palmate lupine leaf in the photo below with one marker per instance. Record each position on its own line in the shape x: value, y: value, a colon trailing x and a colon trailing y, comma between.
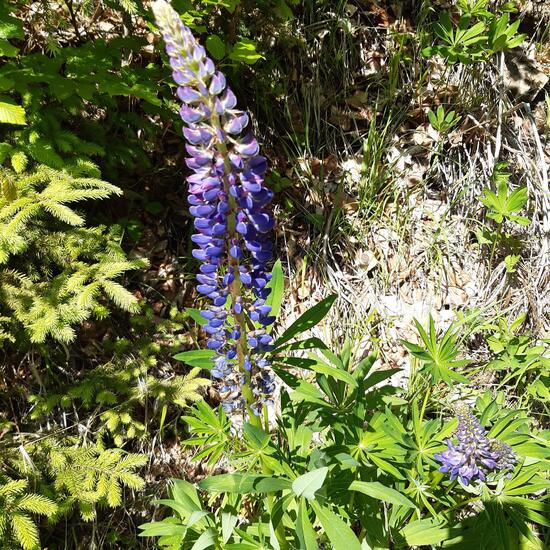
x: 439, y: 356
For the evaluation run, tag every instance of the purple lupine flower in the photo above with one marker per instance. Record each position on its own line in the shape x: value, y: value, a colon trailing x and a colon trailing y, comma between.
x: 229, y: 203
x: 475, y: 454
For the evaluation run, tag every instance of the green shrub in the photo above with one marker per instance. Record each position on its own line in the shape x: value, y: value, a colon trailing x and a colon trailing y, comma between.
x: 54, y: 271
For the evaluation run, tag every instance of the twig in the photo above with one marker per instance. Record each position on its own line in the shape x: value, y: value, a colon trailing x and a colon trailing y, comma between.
x: 69, y: 4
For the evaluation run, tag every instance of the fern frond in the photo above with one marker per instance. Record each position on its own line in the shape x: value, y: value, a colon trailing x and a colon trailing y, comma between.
x: 87, y: 511
x: 63, y: 213
x: 13, y: 487
x: 120, y: 296
x: 83, y: 167
x: 87, y: 295
x: 10, y: 209
x: 25, y: 531
x: 114, y: 494
x: 37, y: 504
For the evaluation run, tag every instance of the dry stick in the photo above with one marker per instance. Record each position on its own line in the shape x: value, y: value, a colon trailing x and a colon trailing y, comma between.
x: 543, y: 179
x: 74, y: 21
x: 500, y: 81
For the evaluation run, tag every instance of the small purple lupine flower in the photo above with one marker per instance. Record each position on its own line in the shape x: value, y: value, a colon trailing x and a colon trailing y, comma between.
x: 229, y: 203
x: 475, y: 454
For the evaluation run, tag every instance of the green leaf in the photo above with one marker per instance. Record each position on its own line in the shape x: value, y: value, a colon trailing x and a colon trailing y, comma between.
x: 206, y: 540
x: 185, y: 493
x: 339, y: 533
x: 7, y: 49
x: 229, y: 521
x: 307, y: 484
x: 202, y: 358
x: 195, y: 314
x: 308, y: 343
x: 10, y: 26
x: 307, y: 538
x: 12, y: 114
x: 379, y: 376
x: 340, y: 374
x: 306, y: 321
x: 244, y: 51
x: 378, y: 491
x: 162, y: 529
x: 425, y: 532
x: 244, y: 483
x: 308, y: 392
x: 256, y: 437
x: 277, y: 286
x: 497, y: 520
x: 182, y: 509
x: 215, y: 46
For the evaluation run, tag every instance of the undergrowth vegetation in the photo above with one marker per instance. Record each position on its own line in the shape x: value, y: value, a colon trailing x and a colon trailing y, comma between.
x: 274, y: 274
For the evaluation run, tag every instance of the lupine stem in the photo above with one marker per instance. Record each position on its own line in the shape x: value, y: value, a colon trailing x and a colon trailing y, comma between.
x: 424, y: 404
x: 235, y: 287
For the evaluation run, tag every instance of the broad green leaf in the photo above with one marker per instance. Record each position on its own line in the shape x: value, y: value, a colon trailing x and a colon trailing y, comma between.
x: 10, y: 26
x: 7, y: 49
x: 298, y: 362
x: 202, y: 358
x: 497, y: 520
x: 182, y: 491
x: 517, y: 199
x: 379, y: 376
x: 385, y: 466
x: 12, y: 114
x: 378, y: 491
x: 338, y: 532
x: 306, y: 321
x: 307, y: 484
x: 256, y: 437
x: 308, y: 392
x: 245, y: 51
x: 215, y: 46
x: 184, y: 510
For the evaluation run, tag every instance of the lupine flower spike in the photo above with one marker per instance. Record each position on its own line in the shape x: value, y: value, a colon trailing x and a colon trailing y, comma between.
x: 229, y: 203
x: 475, y: 455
